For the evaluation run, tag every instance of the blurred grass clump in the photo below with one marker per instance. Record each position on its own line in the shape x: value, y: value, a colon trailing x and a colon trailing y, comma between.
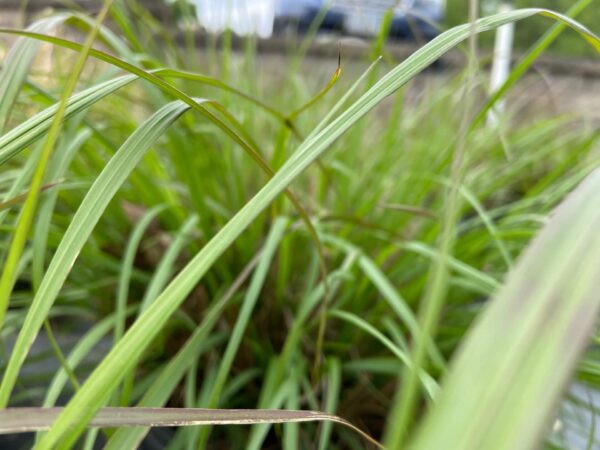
x: 164, y: 255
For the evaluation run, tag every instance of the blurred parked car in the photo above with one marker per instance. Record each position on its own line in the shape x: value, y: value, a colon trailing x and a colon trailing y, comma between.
x: 411, y: 18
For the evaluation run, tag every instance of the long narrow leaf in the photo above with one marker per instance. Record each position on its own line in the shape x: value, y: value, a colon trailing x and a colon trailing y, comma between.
x: 244, y: 316
x: 21, y: 420
x: 519, y: 355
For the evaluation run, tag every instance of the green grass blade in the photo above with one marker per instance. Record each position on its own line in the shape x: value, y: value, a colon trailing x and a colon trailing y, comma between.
x: 161, y: 389
x: 489, y: 224
x: 82, y: 407
x: 213, y: 111
x: 334, y: 382
x: 318, y: 95
x: 527, y: 61
x: 215, y: 82
x: 127, y: 266
x: 21, y: 420
x: 276, y: 376
x: 20, y: 181
x: 244, y: 317
x: 391, y: 295
x: 428, y: 382
x: 81, y: 350
x: 290, y: 430
x: 154, y: 77
x: 6, y: 204
x: 518, y: 357
x: 166, y: 267
x: 484, y: 282
x: 56, y: 170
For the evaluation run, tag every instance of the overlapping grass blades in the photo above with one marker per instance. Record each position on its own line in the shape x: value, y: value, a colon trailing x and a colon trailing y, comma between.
x: 20, y: 137
x: 213, y: 111
x: 246, y: 311
x: 25, y: 219
x: 106, y: 185
x: 84, y: 404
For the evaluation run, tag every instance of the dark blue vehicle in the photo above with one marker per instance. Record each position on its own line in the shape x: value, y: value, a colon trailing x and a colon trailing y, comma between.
x: 412, y: 18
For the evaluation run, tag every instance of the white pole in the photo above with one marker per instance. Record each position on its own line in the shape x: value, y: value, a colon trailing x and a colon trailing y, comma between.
x: 501, y: 63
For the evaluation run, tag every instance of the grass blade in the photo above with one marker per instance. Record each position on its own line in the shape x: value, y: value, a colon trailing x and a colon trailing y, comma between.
x: 244, y: 317
x: 530, y: 335
x: 334, y: 380
x: 527, y: 61
x: 159, y: 392
x: 21, y: 420
x: 428, y: 382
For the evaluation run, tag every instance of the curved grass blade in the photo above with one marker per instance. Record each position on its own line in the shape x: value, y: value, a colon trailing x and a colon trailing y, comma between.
x: 428, y: 382
x: 519, y: 355
x: 527, y: 61
x: 154, y: 76
x: 215, y: 82
x: 127, y: 267
x: 391, y: 295
x: 243, y: 319
x: 22, y: 420
x: 349, y: 92
x: 117, y: 44
x: 73, y: 419
x: 317, y: 96
x: 22, y: 53
x: 160, y: 391
x: 89, y: 212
